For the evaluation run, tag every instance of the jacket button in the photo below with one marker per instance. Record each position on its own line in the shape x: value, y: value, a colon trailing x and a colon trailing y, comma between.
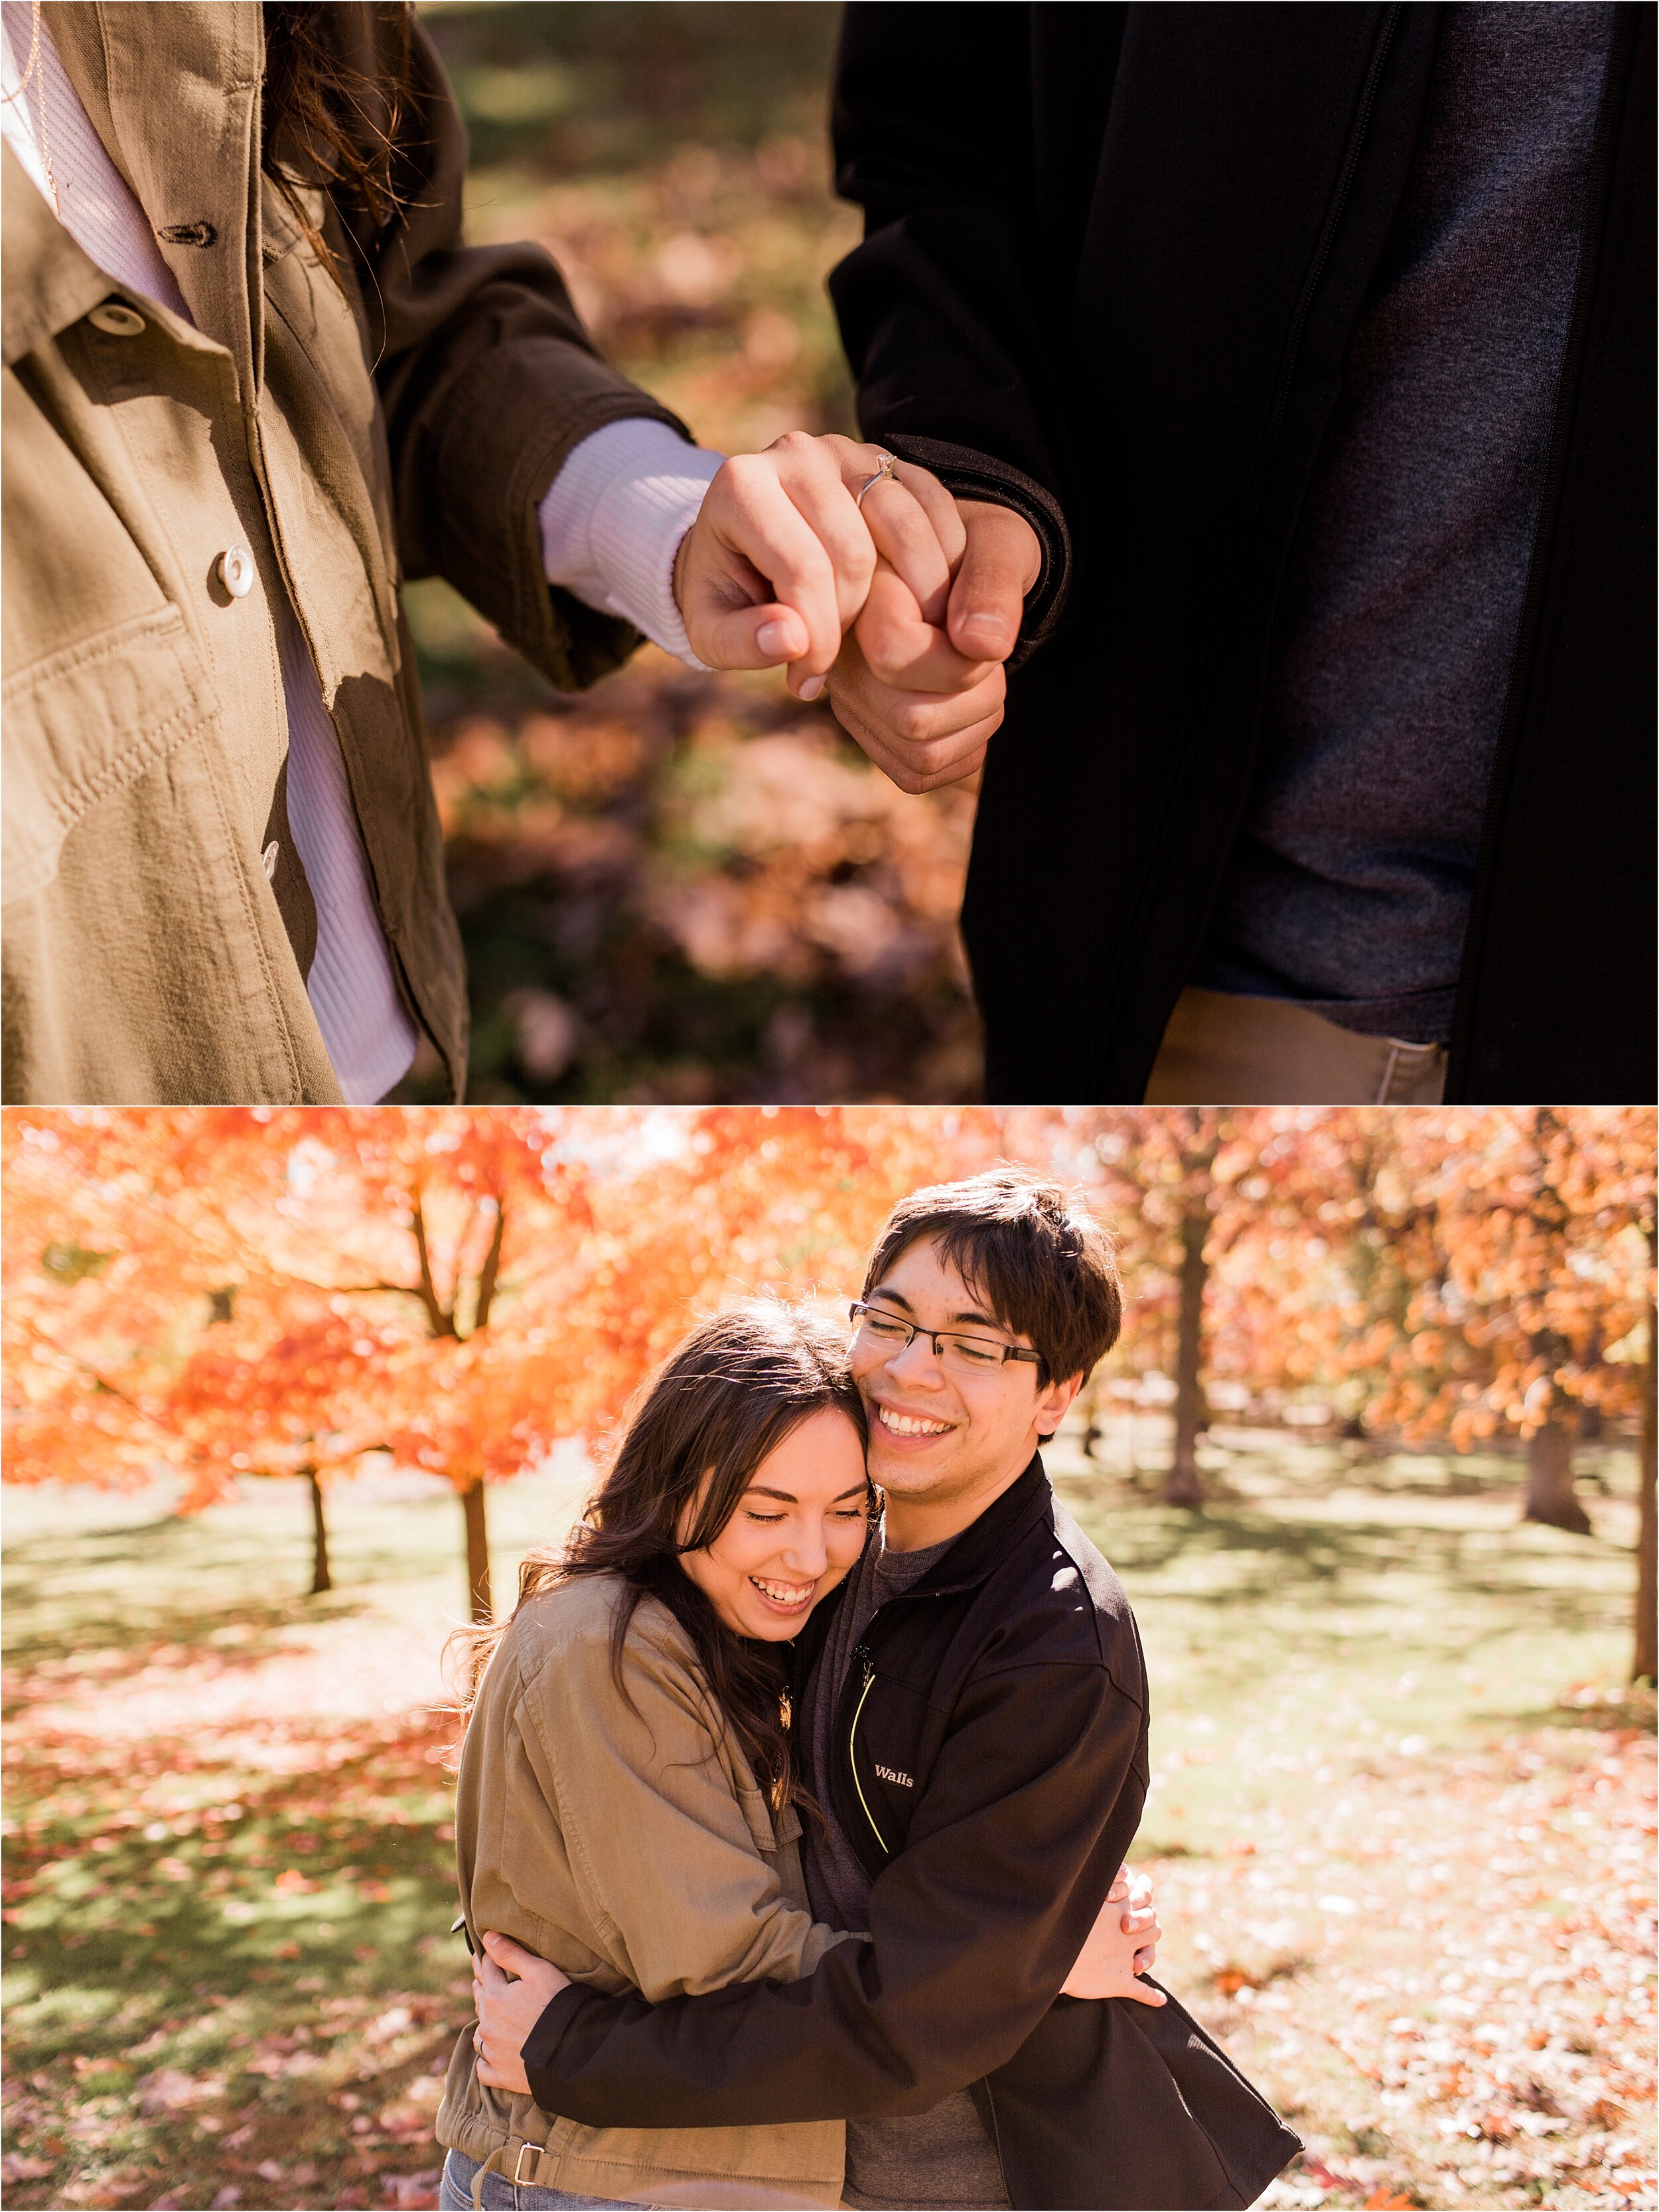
x: 120, y: 322
x: 269, y: 856
x: 236, y: 571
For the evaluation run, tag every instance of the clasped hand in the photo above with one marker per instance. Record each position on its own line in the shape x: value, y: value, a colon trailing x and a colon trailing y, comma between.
x: 512, y: 1987
x: 906, y: 606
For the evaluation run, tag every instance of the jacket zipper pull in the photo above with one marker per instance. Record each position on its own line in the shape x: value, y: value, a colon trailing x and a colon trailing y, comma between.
x: 862, y: 1651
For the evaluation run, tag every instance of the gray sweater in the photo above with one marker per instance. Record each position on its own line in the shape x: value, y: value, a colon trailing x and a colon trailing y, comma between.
x: 929, y: 2160
x: 1351, y: 884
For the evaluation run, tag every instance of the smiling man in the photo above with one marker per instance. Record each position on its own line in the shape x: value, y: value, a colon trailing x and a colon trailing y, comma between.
x: 974, y: 1709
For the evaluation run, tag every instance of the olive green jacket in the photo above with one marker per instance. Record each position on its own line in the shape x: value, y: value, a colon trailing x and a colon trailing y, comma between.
x: 400, y: 418
x: 615, y: 1828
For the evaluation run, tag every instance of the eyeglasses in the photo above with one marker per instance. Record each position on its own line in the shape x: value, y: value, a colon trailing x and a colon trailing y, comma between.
x: 966, y: 1354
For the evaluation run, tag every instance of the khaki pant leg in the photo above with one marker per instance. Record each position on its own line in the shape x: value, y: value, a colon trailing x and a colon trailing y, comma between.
x: 1224, y: 1050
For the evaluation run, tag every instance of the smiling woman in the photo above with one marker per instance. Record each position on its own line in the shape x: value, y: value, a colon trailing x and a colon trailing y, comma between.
x: 798, y: 1528
x: 628, y: 1795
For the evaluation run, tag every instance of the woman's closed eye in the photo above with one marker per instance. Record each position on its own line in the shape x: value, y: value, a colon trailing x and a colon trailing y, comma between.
x: 837, y: 1513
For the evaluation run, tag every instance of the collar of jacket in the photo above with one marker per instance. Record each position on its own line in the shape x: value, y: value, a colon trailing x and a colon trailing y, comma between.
x: 49, y: 281
x: 985, y: 1541
x: 969, y: 1560
x: 172, y: 87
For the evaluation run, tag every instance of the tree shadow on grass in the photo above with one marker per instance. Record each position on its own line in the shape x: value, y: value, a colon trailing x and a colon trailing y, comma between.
x: 170, y: 1949
x: 1631, y: 1713
x: 341, y: 1872
x: 72, y: 1598
x: 1256, y: 1580
x: 42, y: 1661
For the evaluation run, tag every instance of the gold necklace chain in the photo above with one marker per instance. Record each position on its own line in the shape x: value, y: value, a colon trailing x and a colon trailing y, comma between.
x: 23, y: 85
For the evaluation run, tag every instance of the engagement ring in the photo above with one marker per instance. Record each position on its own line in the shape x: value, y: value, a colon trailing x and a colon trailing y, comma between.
x: 889, y: 463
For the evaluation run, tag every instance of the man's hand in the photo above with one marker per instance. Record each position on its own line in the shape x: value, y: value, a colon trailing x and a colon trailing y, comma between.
x: 512, y: 1989
x: 779, y: 560
x: 919, y: 683
x: 1120, y: 1946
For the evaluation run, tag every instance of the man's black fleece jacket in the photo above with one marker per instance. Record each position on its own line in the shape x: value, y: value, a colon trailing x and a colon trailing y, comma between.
x: 991, y: 1767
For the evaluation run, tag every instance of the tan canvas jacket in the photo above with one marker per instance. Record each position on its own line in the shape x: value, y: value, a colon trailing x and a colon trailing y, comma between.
x: 633, y: 1848
x: 402, y: 422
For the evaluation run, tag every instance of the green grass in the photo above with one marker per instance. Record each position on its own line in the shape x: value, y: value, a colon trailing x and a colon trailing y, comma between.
x: 1325, y: 1609
x: 254, y: 1903
x: 555, y: 88
x: 228, y: 1850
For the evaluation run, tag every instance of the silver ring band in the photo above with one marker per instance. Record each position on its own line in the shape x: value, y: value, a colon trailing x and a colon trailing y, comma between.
x: 889, y: 463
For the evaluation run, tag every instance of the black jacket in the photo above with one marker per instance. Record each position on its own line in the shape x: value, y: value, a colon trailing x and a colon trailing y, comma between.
x: 991, y: 1766
x: 1112, y: 258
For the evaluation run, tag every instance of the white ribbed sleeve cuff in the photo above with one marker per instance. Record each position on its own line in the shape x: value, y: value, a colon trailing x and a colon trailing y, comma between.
x: 613, y: 519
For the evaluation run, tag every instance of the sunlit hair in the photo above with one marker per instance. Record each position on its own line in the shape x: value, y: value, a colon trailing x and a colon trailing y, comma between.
x: 724, y: 1399
x: 1032, y: 1250
x: 339, y: 96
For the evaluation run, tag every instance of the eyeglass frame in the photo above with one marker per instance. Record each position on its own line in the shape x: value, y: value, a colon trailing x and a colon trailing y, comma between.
x: 861, y: 1306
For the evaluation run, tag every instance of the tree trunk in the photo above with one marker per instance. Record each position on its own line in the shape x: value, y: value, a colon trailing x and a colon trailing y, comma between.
x: 1181, y: 1486
x: 321, y: 1580
x: 1644, y: 1667
x: 478, y: 1553
x: 1550, y: 1496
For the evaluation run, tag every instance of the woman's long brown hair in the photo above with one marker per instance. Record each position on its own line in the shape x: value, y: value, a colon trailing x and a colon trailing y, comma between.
x: 335, y: 105
x: 727, y: 1396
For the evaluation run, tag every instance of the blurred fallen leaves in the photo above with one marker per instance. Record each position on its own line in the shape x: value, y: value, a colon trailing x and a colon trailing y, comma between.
x: 687, y: 887
x: 680, y: 888
x: 1484, y: 2019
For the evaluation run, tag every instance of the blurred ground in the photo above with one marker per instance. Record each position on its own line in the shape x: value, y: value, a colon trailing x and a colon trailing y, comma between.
x: 1402, y: 1814
x: 681, y: 887
x: 1402, y: 1825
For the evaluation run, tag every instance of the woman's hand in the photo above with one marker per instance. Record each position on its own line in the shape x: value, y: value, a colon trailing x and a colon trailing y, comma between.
x: 1121, y: 1945
x: 512, y: 1988
x: 780, y: 561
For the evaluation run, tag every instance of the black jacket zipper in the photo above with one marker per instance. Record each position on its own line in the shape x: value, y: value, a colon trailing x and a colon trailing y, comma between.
x: 866, y: 1659
x: 987, y: 2110
x: 861, y: 1652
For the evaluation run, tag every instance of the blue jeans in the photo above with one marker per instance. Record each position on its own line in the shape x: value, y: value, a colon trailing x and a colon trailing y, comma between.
x: 500, y: 2194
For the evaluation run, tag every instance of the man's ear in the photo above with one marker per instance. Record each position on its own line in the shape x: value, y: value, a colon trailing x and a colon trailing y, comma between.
x: 1053, y: 1404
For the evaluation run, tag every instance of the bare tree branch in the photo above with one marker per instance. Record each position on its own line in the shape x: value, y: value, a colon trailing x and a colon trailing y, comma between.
x: 443, y: 1324
x: 492, y: 1268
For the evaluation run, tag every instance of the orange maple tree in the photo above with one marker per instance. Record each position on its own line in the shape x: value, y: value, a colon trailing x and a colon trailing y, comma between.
x: 244, y: 1293
x: 280, y: 1293
x: 732, y: 1201
x: 235, y: 1292
x: 1532, y: 1261
x: 1463, y: 1274
x: 1220, y: 1212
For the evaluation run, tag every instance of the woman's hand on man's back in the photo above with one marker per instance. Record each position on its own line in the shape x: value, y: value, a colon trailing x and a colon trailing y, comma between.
x: 512, y: 1988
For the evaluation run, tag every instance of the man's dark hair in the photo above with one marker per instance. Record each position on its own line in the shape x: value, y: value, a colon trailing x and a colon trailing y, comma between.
x: 1032, y: 1250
